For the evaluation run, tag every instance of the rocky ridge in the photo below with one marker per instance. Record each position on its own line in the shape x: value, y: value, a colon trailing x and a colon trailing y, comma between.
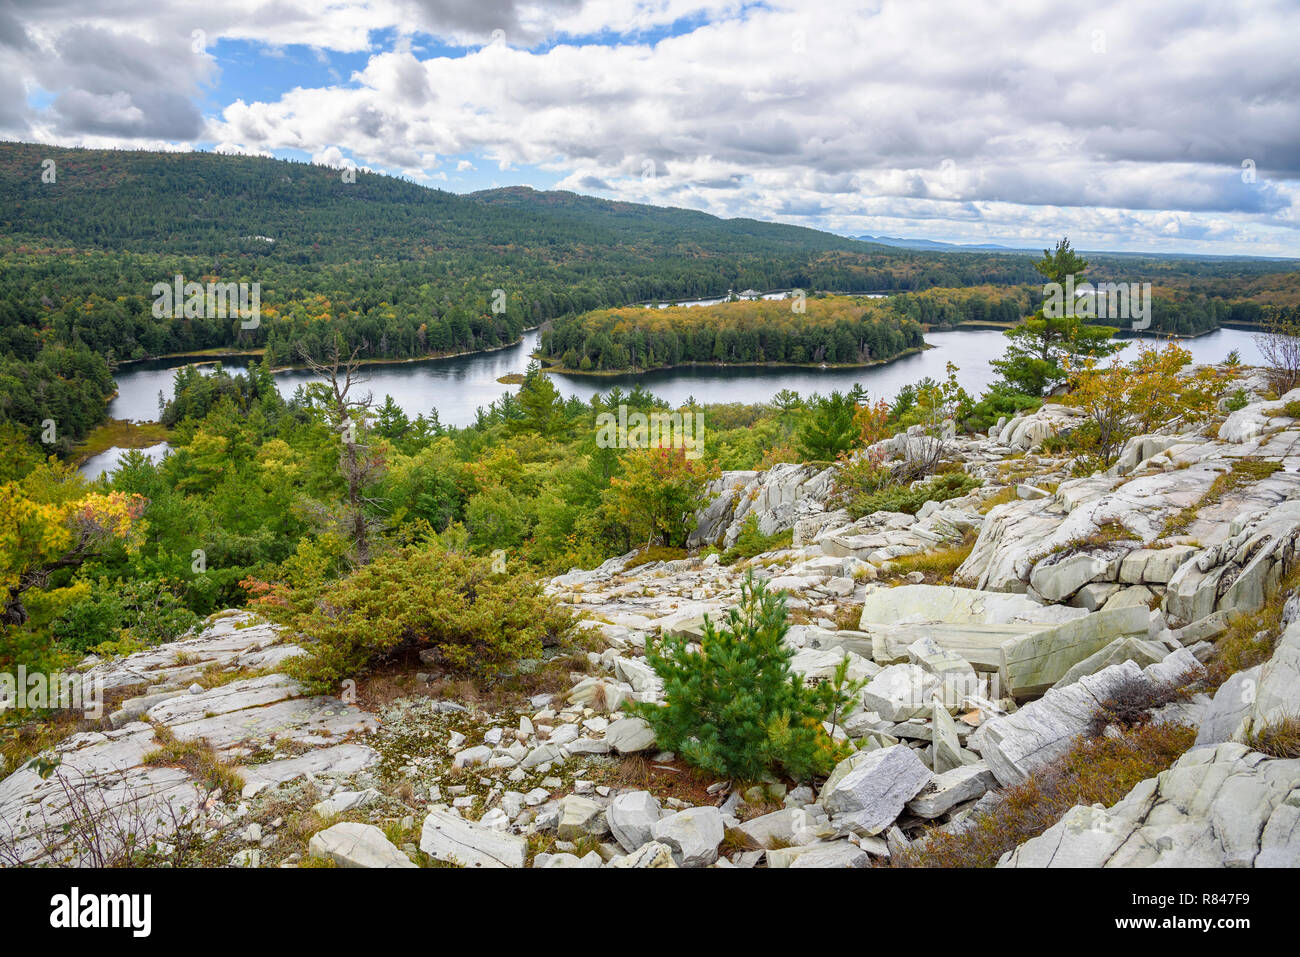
x: 1073, y: 588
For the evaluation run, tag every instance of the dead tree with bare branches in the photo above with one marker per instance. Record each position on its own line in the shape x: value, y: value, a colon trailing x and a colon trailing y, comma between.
x: 349, y: 414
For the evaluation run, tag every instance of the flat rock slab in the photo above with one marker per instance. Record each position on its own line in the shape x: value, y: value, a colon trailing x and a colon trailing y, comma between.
x: 339, y: 760
x: 357, y: 845
x: 103, y: 774
x: 1033, y: 663
x: 972, y: 623
x: 1017, y: 744
x: 310, y: 721
x: 446, y: 837
x: 947, y: 790
x: 1225, y: 806
x: 979, y: 644
x: 222, y: 641
x: 100, y: 774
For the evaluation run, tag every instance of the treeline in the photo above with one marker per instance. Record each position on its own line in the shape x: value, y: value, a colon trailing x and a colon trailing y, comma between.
x: 1183, y: 310
x: 831, y: 329
x: 950, y: 307
x: 55, y: 395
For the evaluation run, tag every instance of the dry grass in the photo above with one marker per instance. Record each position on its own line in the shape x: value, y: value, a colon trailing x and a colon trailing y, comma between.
x: 735, y: 840
x: 1280, y: 739
x: 663, y: 779
x: 1107, y: 533
x: 1250, y: 638
x: 937, y: 566
x: 196, y: 757
x: 25, y: 738
x: 847, y: 617
x: 398, y: 680
x: 1243, y: 472
x: 1094, y: 771
x: 1000, y: 497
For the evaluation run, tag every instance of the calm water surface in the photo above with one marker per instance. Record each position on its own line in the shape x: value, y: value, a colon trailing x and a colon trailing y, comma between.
x: 457, y: 387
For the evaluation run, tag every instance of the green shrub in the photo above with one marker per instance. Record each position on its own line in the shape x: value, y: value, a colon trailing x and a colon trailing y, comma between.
x: 999, y: 401
x: 422, y: 597
x: 735, y: 708
x: 133, y: 613
x: 751, y: 542
x: 909, y: 498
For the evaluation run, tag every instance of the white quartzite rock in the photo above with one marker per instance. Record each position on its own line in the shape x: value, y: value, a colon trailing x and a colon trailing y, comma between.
x: 357, y: 845
x: 1016, y: 744
x: 632, y: 818
x: 693, y: 835
x: 871, y: 796
x: 630, y: 735
x: 1224, y: 806
x: 951, y: 788
x: 446, y: 837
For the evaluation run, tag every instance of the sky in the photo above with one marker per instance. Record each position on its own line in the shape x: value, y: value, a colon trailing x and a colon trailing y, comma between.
x: 1130, y: 125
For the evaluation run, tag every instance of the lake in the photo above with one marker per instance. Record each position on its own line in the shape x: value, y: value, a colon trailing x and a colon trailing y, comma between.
x: 458, y: 386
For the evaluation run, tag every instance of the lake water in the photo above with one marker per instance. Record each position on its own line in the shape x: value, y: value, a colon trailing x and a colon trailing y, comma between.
x: 107, y: 461
x: 457, y: 386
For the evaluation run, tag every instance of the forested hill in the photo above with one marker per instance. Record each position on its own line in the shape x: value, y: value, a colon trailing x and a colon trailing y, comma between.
x: 378, y: 258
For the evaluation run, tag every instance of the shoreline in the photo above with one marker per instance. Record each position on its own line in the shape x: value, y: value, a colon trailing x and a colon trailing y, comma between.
x: 208, y: 357
x: 821, y: 366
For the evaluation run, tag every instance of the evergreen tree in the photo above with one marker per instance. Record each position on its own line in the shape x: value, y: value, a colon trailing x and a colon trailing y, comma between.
x: 1044, y: 346
x: 734, y: 707
x: 830, y: 429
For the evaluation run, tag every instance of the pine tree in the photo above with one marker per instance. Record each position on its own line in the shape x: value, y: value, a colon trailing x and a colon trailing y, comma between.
x: 734, y: 707
x: 1042, y: 346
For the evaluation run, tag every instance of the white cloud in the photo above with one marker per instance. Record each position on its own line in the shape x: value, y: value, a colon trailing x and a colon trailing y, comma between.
x: 1124, y: 124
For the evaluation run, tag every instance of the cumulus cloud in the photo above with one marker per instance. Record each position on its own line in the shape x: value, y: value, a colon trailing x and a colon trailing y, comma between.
x: 1125, y: 124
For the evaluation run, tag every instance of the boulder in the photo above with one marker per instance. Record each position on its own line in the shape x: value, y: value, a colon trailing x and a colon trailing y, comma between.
x: 693, y: 835
x: 650, y: 855
x: 342, y: 801
x: 946, y: 746
x: 832, y: 854
x: 580, y: 817
x: 1128, y: 648
x: 900, y: 692
x: 630, y: 735
x: 446, y: 837
x: 778, y: 827
x: 1033, y: 663
x: 945, y: 791
x: 1016, y: 744
x: 632, y: 818
x: 1059, y: 576
x: 357, y: 845
x: 873, y: 793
